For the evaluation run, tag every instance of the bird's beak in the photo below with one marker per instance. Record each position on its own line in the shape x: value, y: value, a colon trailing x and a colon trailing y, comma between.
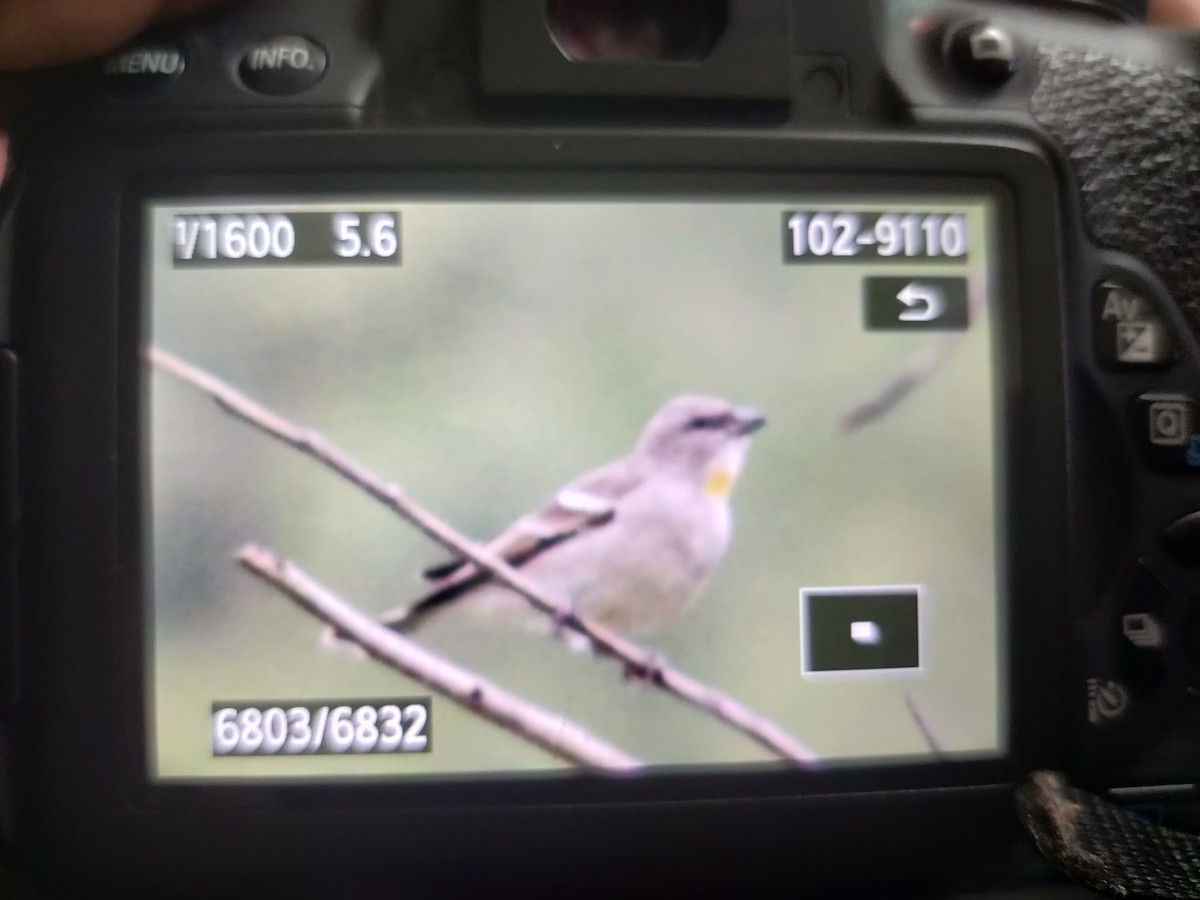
x: 748, y: 420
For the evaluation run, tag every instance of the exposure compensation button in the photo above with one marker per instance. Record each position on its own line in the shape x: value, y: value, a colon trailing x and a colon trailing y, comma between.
x: 1130, y: 334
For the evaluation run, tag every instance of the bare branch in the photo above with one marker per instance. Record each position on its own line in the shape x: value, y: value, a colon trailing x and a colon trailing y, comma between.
x: 547, y: 730
x: 636, y: 660
x: 920, y: 716
x: 920, y: 367
x: 918, y: 370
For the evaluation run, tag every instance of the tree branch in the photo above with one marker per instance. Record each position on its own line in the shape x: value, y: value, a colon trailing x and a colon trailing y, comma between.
x: 547, y: 730
x: 920, y: 717
x: 636, y: 659
x: 921, y: 366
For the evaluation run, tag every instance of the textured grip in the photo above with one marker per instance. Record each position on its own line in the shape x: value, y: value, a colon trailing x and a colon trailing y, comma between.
x: 1105, y: 847
x: 1132, y: 134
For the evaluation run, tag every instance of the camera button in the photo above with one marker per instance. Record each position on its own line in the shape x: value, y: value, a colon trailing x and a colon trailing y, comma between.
x: 283, y: 65
x: 142, y: 70
x: 1129, y: 333
x: 983, y: 53
x: 1167, y: 426
x: 1143, y: 613
x: 1180, y: 540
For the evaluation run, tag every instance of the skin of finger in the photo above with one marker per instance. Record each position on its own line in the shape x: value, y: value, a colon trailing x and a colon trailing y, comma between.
x: 49, y: 32
x: 1177, y: 13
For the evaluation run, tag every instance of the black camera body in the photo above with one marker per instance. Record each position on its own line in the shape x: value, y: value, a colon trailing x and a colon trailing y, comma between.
x: 1081, y: 133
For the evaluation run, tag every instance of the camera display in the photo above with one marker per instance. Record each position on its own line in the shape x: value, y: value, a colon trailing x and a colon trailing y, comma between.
x: 751, y: 438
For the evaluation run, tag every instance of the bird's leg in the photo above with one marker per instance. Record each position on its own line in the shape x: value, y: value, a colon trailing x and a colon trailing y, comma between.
x: 563, y: 622
x: 646, y: 671
x: 559, y: 624
x: 334, y: 639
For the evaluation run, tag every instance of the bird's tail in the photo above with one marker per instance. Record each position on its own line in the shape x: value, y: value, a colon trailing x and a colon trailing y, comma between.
x: 408, y: 619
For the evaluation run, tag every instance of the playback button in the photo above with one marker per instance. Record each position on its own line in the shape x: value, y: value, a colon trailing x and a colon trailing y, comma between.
x: 1144, y: 610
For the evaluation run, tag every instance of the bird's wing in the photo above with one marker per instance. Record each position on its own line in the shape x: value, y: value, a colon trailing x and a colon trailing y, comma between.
x: 587, y: 503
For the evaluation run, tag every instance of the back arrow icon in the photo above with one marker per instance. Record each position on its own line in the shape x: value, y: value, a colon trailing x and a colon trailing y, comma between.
x: 924, y: 303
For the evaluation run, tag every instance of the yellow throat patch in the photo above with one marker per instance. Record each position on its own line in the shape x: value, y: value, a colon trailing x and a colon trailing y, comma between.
x: 718, y: 483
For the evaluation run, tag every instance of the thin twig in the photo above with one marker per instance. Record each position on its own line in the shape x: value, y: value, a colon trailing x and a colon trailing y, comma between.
x: 545, y: 729
x: 921, y: 365
x: 636, y: 660
x: 920, y: 716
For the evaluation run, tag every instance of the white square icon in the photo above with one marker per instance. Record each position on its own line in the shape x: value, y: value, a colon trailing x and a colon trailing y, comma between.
x: 866, y: 633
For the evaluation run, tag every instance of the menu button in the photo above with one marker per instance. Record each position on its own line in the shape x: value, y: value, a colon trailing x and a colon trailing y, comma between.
x: 142, y: 70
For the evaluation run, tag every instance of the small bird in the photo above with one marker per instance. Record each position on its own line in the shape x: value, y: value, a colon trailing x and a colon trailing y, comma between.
x: 629, y: 545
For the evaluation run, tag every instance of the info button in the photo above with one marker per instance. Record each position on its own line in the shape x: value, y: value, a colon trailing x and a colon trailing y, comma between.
x: 283, y: 65
x: 915, y: 304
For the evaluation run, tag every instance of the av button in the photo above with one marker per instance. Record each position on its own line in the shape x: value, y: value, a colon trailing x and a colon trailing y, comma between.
x: 1129, y: 333
x: 1167, y: 425
x: 142, y: 70
x: 283, y: 65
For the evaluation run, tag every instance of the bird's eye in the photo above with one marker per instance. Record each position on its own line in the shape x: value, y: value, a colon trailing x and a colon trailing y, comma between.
x: 707, y: 422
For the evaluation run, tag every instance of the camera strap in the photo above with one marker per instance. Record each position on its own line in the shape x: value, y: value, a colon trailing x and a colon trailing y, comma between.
x: 1105, y: 847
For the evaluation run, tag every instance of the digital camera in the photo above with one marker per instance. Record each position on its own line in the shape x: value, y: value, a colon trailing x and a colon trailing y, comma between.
x: 580, y: 446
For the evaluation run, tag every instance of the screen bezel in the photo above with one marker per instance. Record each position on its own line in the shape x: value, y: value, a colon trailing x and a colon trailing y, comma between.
x: 667, y: 783
x: 87, y: 803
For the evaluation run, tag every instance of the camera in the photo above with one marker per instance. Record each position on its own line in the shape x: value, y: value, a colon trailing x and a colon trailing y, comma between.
x: 647, y: 443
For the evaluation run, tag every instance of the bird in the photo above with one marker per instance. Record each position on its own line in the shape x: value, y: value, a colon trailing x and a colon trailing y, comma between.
x: 628, y: 545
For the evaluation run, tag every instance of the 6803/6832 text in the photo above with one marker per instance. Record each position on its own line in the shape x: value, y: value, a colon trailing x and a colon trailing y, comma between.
x: 328, y: 727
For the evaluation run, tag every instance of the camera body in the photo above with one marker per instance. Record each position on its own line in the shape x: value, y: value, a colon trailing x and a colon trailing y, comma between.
x: 1079, y: 132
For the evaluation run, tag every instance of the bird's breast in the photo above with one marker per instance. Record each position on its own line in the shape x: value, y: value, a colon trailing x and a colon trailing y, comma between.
x: 722, y: 473
x: 718, y: 483
x: 667, y: 544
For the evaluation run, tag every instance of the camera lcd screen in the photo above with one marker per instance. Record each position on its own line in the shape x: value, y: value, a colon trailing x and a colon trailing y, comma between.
x: 744, y: 450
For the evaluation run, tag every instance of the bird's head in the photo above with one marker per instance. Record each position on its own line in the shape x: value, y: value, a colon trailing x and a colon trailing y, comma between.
x: 701, y: 437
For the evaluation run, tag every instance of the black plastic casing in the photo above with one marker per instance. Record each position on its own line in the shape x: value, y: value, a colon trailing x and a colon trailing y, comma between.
x: 1080, y: 506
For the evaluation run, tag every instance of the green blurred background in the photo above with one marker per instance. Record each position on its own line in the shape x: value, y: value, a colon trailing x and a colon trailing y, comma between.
x: 516, y: 347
